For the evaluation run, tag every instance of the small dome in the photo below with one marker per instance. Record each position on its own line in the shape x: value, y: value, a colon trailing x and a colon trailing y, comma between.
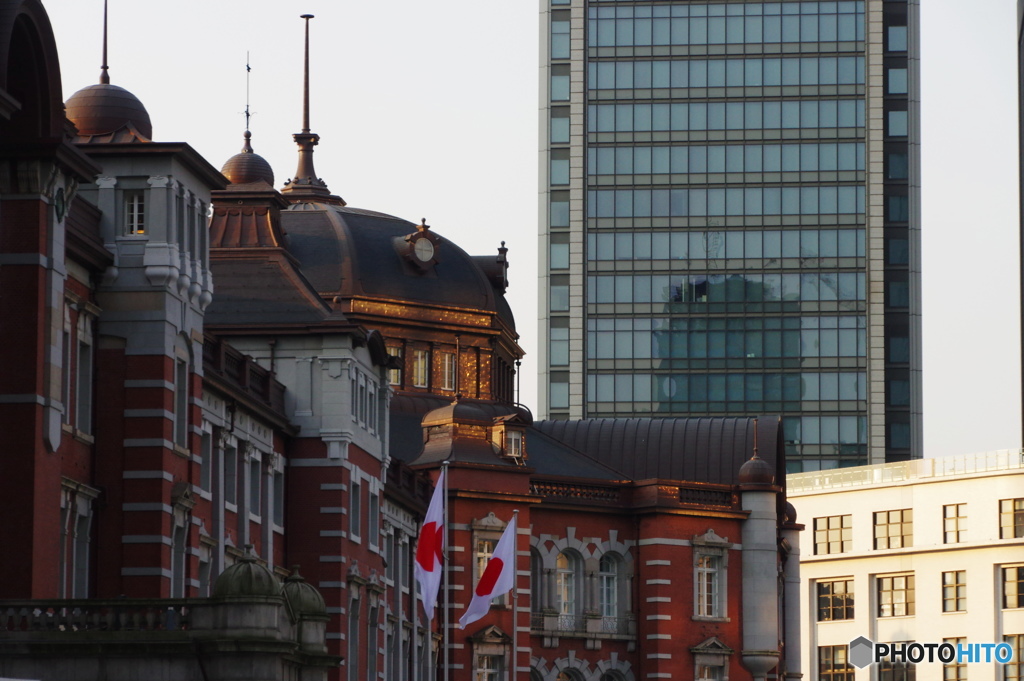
x: 246, y: 167
x: 756, y: 471
x: 246, y: 578
x: 304, y: 598
x: 790, y: 513
x: 103, y: 108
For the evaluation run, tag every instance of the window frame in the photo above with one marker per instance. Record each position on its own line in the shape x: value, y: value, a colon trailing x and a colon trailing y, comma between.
x: 955, y: 525
x: 1012, y: 576
x: 134, y: 206
x: 834, y: 663
x: 954, y: 591
x: 845, y: 536
x: 1011, y: 518
x: 420, y: 368
x: 891, y: 584
x: 904, y: 524
x: 448, y: 370
x: 568, y: 599
x: 844, y: 601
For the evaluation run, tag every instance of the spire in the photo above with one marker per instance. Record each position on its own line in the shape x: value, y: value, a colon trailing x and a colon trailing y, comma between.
x: 305, y: 184
x: 104, y: 76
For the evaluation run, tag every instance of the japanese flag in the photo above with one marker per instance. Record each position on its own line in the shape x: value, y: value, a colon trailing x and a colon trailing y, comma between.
x: 497, y: 579
x: 430, y: 549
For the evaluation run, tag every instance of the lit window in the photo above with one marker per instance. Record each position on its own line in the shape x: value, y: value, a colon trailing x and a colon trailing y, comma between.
x: 567, y: 567
x: 954, y: 520
x: 1011, y: 518
x: 134, y: 213
x: 833, y: 534
x: 421, y: 368
x: 896, y: 596
x: 835, y: 600
x: 447, y: 371
x: 894, y: 529
x: 1013, y: 586
x: 955, y: 670
x: 708, y: 589
x: 833, y: 664
x: 954, y: 591
x: 514, y: 444
x: 395, y: 375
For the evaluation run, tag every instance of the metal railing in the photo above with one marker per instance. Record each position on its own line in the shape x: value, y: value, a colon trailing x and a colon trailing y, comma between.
x: 73, y: 615
x: 1006, y: 459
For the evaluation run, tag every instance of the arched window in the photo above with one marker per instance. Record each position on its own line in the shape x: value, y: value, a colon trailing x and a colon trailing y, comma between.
x: 568, y: 599
x: 570, y: 675
x: 535, y: 675
x: 612, y: 676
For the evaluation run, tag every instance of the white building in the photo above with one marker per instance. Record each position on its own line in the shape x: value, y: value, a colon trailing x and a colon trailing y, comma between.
x: 929, y: 551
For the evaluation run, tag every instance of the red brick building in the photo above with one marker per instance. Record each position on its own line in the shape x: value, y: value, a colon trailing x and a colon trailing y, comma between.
x: 287, y: 375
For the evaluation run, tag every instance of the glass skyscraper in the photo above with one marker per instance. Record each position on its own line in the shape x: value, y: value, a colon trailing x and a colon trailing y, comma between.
x: 730, y: 218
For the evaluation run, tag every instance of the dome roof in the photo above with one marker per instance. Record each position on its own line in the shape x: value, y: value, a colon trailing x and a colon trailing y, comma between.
x: 246, y: 578
x: 104, y: 108
x: 349, y: 251
x: 756, y: 471
x: 304, y: 598
x: 247, y: 167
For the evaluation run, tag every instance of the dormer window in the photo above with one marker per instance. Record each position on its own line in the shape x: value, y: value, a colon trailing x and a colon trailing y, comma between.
x: 134, y: 213
x: 514, y: 445
x: 508, y: 437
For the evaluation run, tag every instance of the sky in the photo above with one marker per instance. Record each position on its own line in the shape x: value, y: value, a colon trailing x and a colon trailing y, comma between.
x: 431, y: 110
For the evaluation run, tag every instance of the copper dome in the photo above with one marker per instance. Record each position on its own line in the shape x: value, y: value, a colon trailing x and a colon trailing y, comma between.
x: 756, y: 471
x: 103, y: 108
x: 247, y: 167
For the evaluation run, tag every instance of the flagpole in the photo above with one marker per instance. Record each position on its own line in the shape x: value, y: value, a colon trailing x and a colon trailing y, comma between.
x: 515, y: 597
x: 444, y: 572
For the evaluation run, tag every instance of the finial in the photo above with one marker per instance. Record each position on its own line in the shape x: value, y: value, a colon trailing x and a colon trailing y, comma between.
x: 247, y: 114
x: 305, y: 80
x: 755, y: 440
x: 305, y: 184
x: 423, y: 226
x: 247, y: 147
x: 104, y: 76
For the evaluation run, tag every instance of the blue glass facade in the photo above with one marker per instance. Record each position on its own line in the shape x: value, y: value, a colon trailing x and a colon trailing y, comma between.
x: 730, y: 219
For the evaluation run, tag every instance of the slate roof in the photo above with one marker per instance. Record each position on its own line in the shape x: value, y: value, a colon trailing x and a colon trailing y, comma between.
x: 355, y: 252
x: 695, y: 449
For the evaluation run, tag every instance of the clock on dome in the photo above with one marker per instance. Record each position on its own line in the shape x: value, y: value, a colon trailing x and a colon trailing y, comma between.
x: 422, y: 246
